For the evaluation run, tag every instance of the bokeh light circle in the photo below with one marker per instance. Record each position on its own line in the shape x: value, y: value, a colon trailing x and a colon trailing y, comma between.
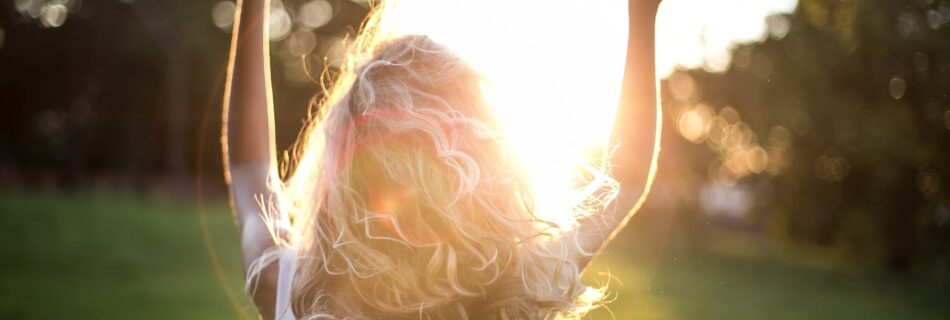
x: 223, y: 15
x: 53, y: 15
x: 315, y: 14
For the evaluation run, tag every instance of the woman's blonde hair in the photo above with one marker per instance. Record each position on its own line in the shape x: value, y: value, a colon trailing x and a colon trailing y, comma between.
x: 408, y: 203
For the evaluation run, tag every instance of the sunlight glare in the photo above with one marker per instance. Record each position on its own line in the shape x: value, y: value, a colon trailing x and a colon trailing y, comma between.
x: 555, y: 73
x: 702, y: 33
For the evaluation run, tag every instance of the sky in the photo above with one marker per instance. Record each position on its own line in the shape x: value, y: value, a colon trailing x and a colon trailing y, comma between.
x: 691, y: 32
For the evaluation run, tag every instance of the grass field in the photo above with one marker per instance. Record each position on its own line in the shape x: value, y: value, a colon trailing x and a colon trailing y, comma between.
x: 108, y: 257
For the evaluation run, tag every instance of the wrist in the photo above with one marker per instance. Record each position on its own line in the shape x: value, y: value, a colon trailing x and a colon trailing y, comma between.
x: 253, y: 5
x: 641, y: 8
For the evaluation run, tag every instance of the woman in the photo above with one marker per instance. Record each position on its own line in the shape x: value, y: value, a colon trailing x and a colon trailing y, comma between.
x: 406, y: 203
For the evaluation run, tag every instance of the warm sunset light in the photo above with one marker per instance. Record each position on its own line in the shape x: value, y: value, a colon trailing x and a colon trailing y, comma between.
x: 556, y: 73
x: 330, y: 159
x: 554, y: 76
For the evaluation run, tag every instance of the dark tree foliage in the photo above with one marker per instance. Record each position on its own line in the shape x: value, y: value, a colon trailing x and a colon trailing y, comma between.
x: 128, y: 93
x: 865, y: 84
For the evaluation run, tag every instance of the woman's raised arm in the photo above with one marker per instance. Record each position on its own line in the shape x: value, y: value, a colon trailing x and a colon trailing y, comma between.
x: 248, y: 141
x: 637, y: 128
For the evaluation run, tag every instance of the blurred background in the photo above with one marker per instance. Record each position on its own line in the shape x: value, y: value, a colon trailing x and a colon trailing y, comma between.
x: 805, y: 164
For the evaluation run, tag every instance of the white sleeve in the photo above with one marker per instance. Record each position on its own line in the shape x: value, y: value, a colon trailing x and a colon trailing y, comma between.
x: 287, y: 265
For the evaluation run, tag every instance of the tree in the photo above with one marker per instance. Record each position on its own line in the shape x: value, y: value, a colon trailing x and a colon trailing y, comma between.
x: 862, y: 88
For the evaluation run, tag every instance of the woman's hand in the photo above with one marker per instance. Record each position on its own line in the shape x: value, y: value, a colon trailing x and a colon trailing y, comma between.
x: 643, y: 5
x: 653, y: 3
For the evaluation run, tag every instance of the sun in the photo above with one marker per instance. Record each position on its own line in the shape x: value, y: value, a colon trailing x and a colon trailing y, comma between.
x: 554, y: 70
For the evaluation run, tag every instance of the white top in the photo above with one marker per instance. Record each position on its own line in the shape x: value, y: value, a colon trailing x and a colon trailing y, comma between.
x: 287, y: 263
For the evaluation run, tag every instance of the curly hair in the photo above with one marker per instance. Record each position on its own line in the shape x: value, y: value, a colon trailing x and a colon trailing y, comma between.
x: 407, y: 202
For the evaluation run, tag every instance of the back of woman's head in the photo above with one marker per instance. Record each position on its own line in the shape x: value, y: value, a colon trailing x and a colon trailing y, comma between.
x: 409, y: 203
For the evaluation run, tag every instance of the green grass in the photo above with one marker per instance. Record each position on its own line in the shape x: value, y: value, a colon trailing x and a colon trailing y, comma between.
x: 109, y: 257
x: 694, y: 285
